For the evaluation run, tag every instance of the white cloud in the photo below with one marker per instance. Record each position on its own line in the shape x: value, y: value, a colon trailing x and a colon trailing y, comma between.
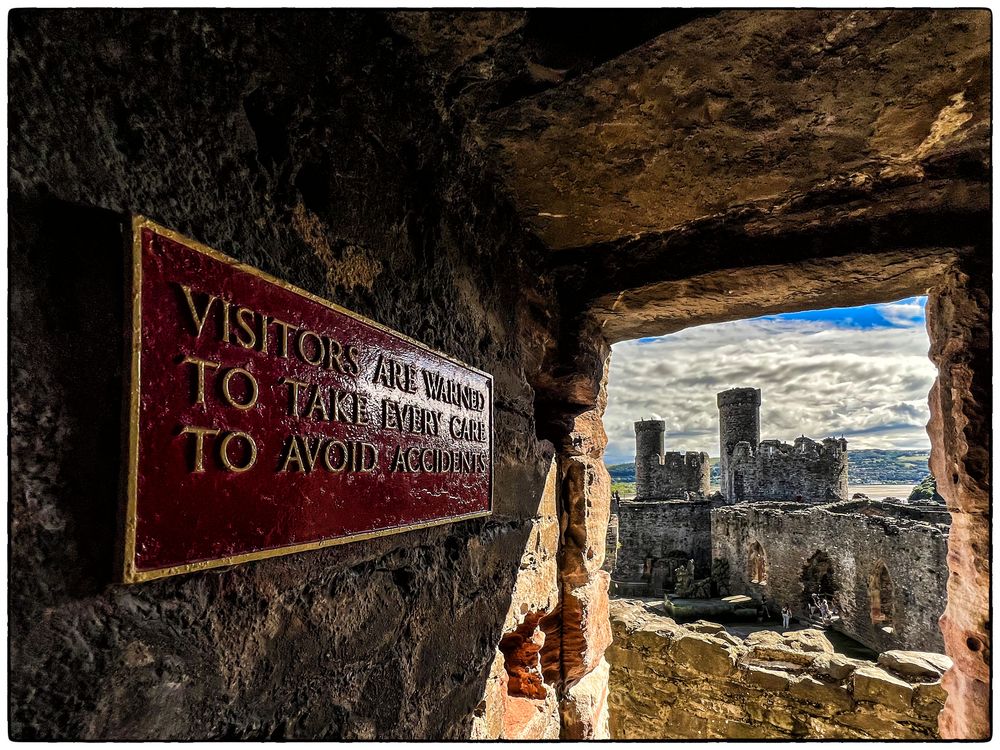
x: 908, y: 312
x: 817, y: 378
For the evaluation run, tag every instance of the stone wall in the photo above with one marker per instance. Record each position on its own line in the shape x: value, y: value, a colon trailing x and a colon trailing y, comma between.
x: 805, y: 470
x: 856, y: 543
x: 959, y: 325
x: 667, y: 475
x: 670, y: 681
x: 672, y: 475
x: 311, y: 145
x: 655, y: 536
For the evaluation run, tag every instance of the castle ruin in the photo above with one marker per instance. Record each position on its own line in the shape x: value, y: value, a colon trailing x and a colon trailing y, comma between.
x: 880, y: 564
x: 518, y: 189
x: 663, y: 475
x: 782, y: 529
x: 751, y: 469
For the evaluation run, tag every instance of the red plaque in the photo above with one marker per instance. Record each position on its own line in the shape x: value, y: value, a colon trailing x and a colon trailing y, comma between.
x: 264, y: 420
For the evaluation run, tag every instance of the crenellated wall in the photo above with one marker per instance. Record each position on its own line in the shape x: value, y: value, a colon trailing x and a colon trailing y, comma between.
x: 667, y: 475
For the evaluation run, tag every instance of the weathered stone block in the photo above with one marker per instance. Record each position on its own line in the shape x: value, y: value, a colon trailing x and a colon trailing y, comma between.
x: 704, y: 653
x: 584, y: 707
x: 878, y: 686
x: 741, y: 730
x: 836, y: 666
x: 808, y: 640
x: 767, y: 679
x: 918, y: 664
x: 830, y: 697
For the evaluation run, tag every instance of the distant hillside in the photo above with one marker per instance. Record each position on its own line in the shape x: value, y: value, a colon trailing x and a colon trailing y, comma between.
x: 864, y: 467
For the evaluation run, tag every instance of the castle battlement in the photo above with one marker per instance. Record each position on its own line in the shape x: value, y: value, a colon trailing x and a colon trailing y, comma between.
x: 738, y: 397
x: 755, y: 469
x: 664, y: 475
x: 804, y: 447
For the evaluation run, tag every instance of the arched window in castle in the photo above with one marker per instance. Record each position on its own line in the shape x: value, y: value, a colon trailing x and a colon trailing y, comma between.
x: 818, y: 580
x: 881, y: 596
x: 757, y: 564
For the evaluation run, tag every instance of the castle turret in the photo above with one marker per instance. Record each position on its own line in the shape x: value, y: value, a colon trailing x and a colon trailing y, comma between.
x: 739, y: 421
x: 648, y: 453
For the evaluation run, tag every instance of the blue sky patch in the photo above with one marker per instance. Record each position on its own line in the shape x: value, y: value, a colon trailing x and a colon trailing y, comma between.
x: 905, y: 312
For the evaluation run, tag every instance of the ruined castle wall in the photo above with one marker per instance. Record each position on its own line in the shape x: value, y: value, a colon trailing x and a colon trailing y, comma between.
x: 913, y: 553
x: 670, y: 681
x: 785, y: 475
x: 658, y: 529
x: 672, y: 475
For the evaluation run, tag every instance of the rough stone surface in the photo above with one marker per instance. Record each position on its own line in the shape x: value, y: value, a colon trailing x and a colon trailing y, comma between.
x: 671, y: 682
x: 738, y: 107
x: 586, y: 629
x: 958, y: 322
x: 915, y: 663
x: 308, y: 145
x: 878, y: 686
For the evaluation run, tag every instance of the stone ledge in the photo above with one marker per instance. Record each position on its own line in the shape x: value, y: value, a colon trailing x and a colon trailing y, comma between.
x: 674, y: 681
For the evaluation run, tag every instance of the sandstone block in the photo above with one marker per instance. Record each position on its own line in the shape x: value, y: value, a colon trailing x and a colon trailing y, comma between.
x: 836, y: 666
x: 774, y: 714
x: 704, y: 626
x: 704, y: 653
x: 808, y: 640
x: 928, y: 700
x: 825, y: 694
x: 870, y: 726
x: 741, y: 730
x: 918, y: 664
x: 586, y: 627
x: 585, y: 706
x: 625, y: 657
x: 929, y: 692
x: 800, y: 647
x: 767, y: 679
x: 878, y: 686
x: 526, y: 718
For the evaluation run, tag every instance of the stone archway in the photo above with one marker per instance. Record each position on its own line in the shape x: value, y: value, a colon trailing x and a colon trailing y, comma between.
x: 757, y: 564
x: 818, y: 578
x: 881, y: 598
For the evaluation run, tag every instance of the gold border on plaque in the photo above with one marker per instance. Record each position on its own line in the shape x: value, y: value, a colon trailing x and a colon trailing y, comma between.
x: 129, y: 572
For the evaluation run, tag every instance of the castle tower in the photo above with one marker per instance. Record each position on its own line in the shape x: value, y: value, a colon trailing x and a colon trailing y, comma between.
x: 739, y: 420
x: 648, y: 454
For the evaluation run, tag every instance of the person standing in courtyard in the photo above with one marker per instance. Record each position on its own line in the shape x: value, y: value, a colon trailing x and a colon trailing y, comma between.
x: 786, y: 617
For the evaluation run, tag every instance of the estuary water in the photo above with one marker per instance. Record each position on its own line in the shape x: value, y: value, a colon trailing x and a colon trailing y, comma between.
x: 880, y: 491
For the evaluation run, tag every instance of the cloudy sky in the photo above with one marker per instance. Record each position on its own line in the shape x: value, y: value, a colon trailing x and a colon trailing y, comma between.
x: 859, y: 371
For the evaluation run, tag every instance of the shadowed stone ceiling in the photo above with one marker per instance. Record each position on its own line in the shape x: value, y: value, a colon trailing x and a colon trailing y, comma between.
x: 733, y: 108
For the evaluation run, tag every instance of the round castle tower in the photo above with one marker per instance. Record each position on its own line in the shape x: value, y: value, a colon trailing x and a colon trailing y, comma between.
x: 648, y: 450
x: 739, y: 421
